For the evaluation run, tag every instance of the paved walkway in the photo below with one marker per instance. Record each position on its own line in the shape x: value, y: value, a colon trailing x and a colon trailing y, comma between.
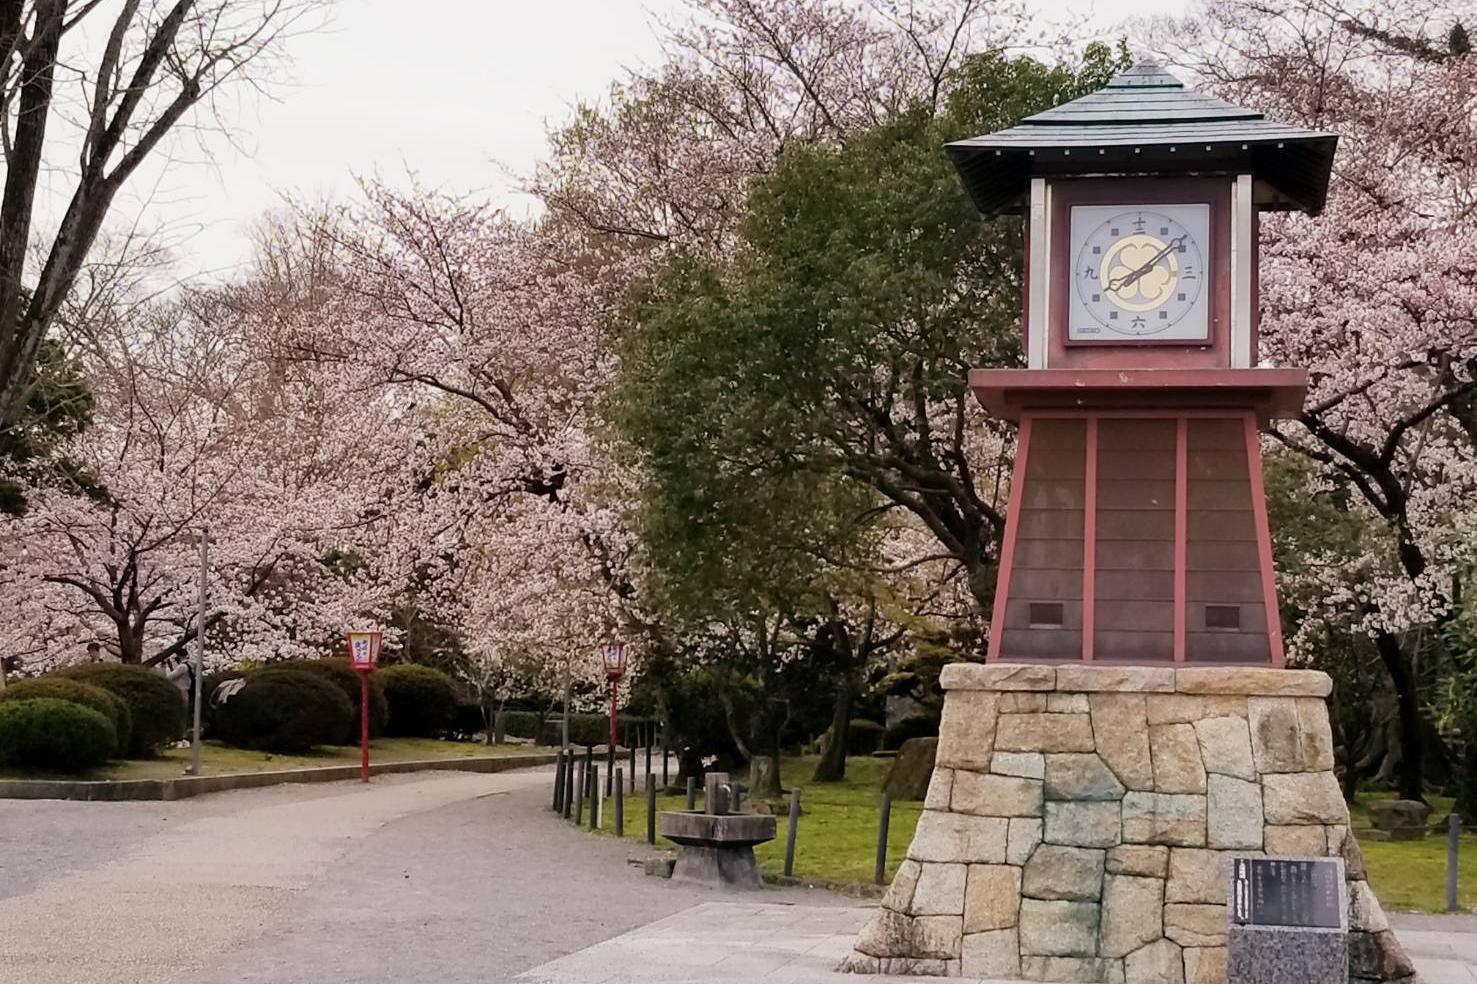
x: 448, y: 877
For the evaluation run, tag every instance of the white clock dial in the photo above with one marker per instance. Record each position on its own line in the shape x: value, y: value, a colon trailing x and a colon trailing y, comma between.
x: 1138, y: 273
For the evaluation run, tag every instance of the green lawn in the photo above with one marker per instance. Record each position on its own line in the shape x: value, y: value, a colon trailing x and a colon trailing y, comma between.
x: 217, y: 759
x: 837, y: 839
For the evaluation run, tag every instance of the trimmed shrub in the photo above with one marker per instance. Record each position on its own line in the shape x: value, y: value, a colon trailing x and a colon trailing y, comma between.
x: 343, y: 676
x: 523, y: 724
x: 863, y: 737
x: 920, y: 726
x: 53, y: 735
x: 422, y: 700
x: 157, y: 709
x: 106, y: 703
x: 283, y: 710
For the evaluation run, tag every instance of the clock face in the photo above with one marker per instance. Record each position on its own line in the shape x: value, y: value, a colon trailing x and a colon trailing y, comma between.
x: 1138, y: 273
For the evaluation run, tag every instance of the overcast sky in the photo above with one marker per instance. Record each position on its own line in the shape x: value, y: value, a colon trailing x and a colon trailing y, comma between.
x: 457, y: 92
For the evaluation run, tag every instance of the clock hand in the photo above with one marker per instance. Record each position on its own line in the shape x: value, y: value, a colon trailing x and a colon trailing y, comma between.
x: 1118, y: 283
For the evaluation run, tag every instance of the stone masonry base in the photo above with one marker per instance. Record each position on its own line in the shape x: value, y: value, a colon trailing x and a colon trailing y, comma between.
x: 1081, y: 819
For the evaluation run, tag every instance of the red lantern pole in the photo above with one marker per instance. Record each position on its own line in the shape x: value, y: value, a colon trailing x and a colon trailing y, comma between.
x: 364, y: 653
x: 364, y: 725
x: 615, y: 683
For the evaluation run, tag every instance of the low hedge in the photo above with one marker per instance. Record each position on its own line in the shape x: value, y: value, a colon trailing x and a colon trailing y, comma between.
x: 285, y: 711
x: 343, y: 676
x: 422, y: 700
x: 919, y: 726
x: 155, y: 704
x: 53, y: 735
x: 106, y: 703
x: 863, y: 737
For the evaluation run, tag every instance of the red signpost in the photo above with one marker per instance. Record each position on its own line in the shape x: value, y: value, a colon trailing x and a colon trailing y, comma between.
x: 364, y: 653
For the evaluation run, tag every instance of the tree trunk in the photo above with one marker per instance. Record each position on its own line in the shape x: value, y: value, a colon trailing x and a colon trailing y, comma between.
x: 1411, y: 779
x: 832, y: 766
x: 499, y: 724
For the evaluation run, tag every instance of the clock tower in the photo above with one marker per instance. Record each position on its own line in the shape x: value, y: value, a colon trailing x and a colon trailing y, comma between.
x: 1137, y: 530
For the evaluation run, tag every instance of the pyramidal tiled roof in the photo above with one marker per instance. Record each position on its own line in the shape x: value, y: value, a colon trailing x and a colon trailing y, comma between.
x: 1146, y: 120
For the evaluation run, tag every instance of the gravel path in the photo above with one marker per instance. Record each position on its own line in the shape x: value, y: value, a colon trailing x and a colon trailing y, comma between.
x: 438, y: 877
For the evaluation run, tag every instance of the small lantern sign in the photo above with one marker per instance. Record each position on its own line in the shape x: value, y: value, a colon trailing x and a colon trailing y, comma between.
x: 364, y: 649
x: 613, y: 655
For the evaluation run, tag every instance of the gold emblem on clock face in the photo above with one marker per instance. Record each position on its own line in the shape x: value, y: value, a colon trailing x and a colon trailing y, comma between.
x: 1139, y: 272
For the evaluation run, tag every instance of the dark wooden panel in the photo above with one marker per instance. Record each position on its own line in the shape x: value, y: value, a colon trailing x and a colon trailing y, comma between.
x: 1060, y: 432
x: 1253, y: 616
x: 1227, y: 647
x: 1142, y: 586
x: 1220, y: 524
x: 1222, y: 556
x: 1136, y: 494
x: 1049, y: 462
x: 1121, y: 464
x: 1049, y: 555
x: 1135, y: 524
x: 1144, y: 646
x: 1049, y: 493
x: 1130, y: 616
x: 1210, y: 494
x: 1141, y: 434
x: 1041, y: 643
x: 1211, y: 434
x: 1050, y: 524
x: 1226, y: 587
x: 1046, y: 584
x: 1126, y: 555
x: 1217, y: 465
x: 1017, y: 611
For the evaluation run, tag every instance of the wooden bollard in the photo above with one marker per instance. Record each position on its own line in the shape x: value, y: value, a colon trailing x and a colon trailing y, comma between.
x: 790, y: 834
x: 595, y: 802
x: 579, y: 796
x: 568, y: 798
x: 881, y: 876
x: 691, y: 793
x: 1453, y: 849
x: 559, y: 782
x: 666, y: 754
x: 650, y: 808
x: 632, y: 773
x: 620, y: 803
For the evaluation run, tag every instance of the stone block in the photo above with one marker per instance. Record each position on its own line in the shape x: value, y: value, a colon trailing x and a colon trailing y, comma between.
x: 1225, y: 747
x: 1066, y: 703
x: 1176, y: 756
x: 1250, y: 681
x: 1303, y: 798
x: 1080, y: 776
x: 1022, y: 702
x: 1198, y: 875
x: 937, y: 937
x: 997, y: 676
x: 940, y: 890
x: 1315, y: 734
x: 1116, y: 679
x: 1083, y: 824
x: 1058, y: 929
x: 1063, y: 970
x: 1276, y: 738
x: 1164, y: 818
x: 1365, y: 912
x: 1275, y: 953
x: 992, y: 897
x: 1195, y: 924
x: 1297, y: 841
x: 1388, y: 814
x: 1133, y: 910
x: 967, y: 730
x: 857, y: 962
x: 940, y: 785
x: 1354, y: 869
x: 1026, y: 765
x: 1138, y: 859
x: 886, y: 933
x: 958, y: 837
x: 1023, y: 836
x: 1187, y: 709
x: 1044, y: 733
x: 1233, y: 813
x: 1057, y: 872
x: 917, y: 967
x: 994, y: 954
x: 899, y: 895
x: 987, y: 795
x: 1378, y: 956
x: 1122, y: 721
x: 1160, y: 962
x: 1205, y: 965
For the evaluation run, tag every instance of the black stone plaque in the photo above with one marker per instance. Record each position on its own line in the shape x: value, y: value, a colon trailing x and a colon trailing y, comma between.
x: 1302, y: 892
